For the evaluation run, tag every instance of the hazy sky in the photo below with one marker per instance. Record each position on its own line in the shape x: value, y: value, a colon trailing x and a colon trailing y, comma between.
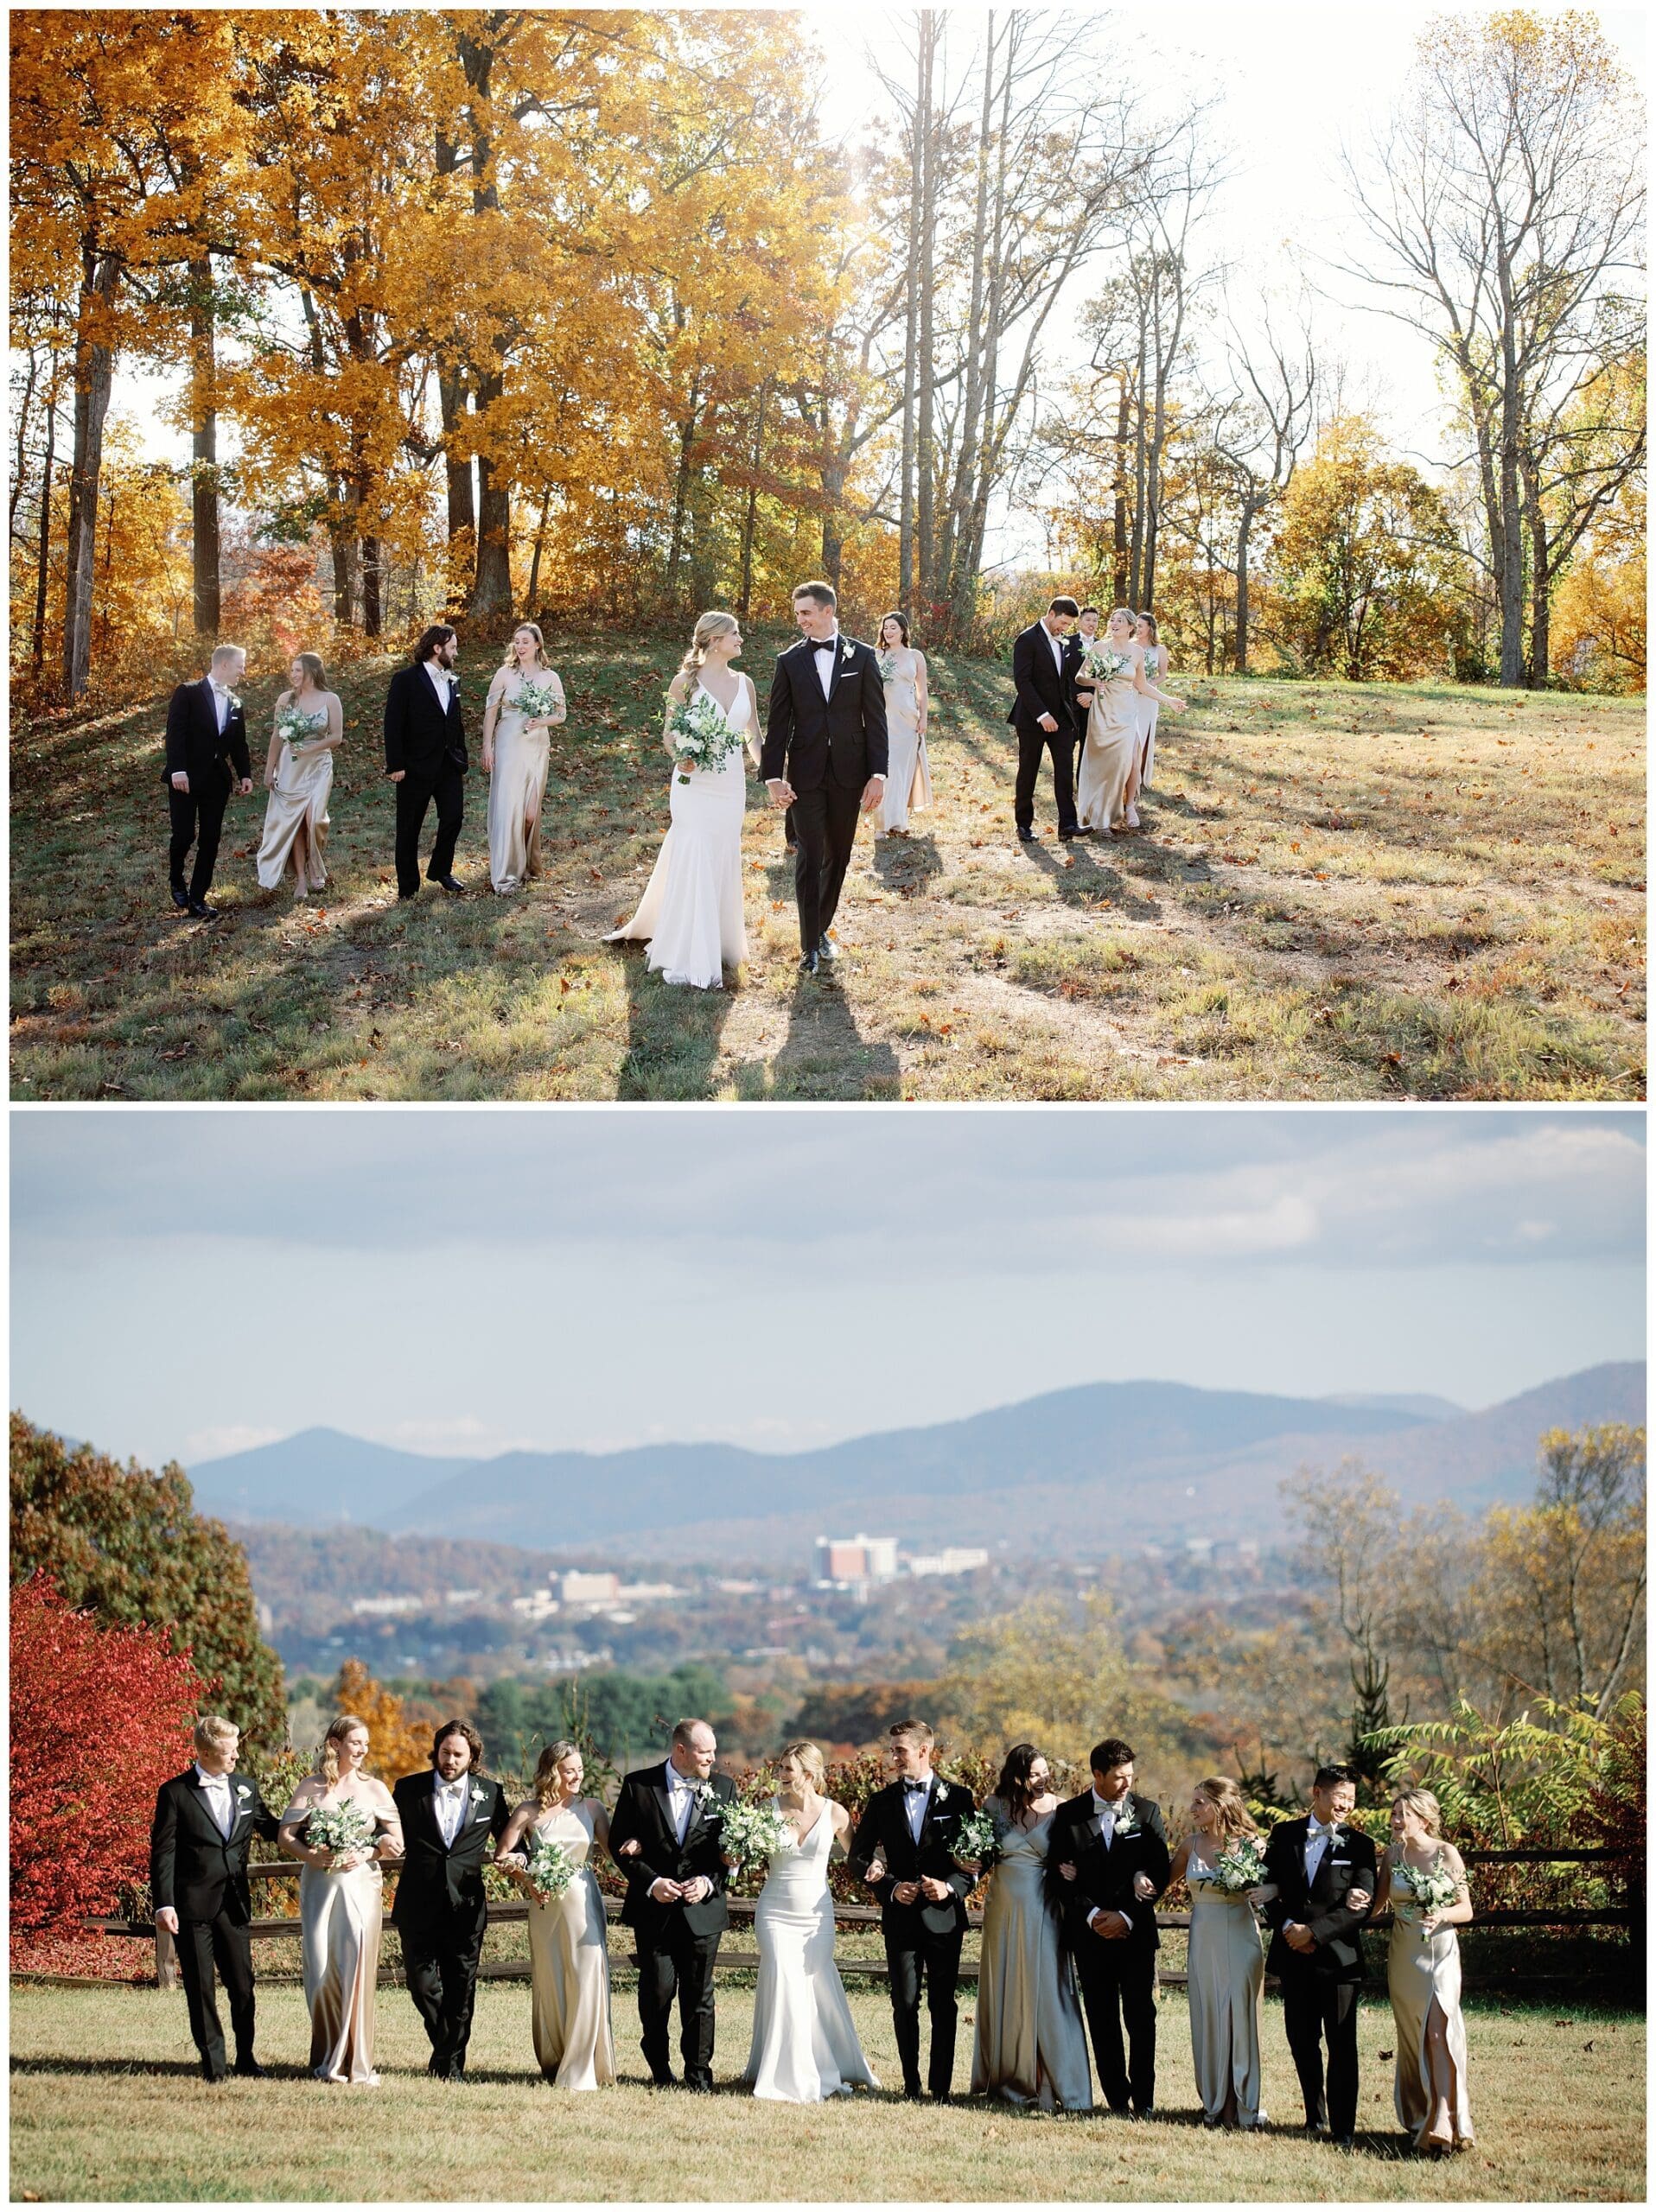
x: 186, y: 1281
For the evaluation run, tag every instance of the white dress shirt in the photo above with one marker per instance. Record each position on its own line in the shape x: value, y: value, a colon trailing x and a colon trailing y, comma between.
x: 826, y: 668
x: 221, y: 715
x: 1057, y: 645
x: 682, y: 1789
x: 914, y: 1802
x: 441, y: 680
x: 215, y: 1788
x: 1317, y: 1837
x: 1105, y: 1810
x: 450, y: 1801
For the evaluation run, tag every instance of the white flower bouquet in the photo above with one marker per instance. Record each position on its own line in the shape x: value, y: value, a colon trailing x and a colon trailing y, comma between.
x: 537, y: 698
x: 1428, y: 1888
x: 341, y: 1829
x: 1241, y: 1865
x: 700, y: 735
x: 751, y: 1831
x: 549, y: 1870
x: 1099, y: 664
x: 296, y: 728
x: 978, y: 1838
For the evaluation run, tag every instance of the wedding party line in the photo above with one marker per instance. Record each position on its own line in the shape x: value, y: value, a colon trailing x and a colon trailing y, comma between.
x: 844, y: 736
x: 1070, y: 1927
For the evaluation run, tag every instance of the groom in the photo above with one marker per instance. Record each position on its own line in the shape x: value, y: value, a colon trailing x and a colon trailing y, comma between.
x: 206, y: 760
x: 426, y: 757
x: 1044, y: 660
x: 665, y: 1836
x: 450, y: 1814
x: 1324, y: 1871
x: 823, y: 756
x: 903, y: 1851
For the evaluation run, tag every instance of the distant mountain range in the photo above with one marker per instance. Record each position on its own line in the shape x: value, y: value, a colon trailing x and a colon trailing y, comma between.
x: 1101, y: 1465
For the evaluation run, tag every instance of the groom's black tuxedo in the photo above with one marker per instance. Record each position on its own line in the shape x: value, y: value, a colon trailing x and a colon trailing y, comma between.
x: 922, y: 1939
x: 428, y: 743
x: 1320, y: 1986
x: 1116, y: 1974
x: 441, y: 1911
x: 202, y: 1874
x: 1043, y: 685
x: 827, y: 747
x: 212, y: 759
x: 678, y: 1944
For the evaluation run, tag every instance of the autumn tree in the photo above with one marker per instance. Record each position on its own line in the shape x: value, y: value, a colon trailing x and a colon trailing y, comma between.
x: 396, y: 1745
x: 127, y: 1544
x: 100, y: 1717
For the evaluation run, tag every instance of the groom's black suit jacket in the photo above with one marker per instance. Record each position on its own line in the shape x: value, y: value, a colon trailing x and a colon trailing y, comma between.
x: 1347, y: 1863
x: 1042, y: 686
x: 194, y: 1867
x: 439, y: 1882
x: 1104, y: 1879
x: 883, y: 1832
x: 197, y: 746
x: 643, y: 1814
x: 418, y: 734
x: 815, y: 741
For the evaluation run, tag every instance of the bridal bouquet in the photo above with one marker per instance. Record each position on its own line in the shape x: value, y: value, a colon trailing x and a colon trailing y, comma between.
x: 536, y: 701
x: 752, y: 1831
x: 700, y: 735
x: 1430, y: 1889
x: 296, y: 728
x: 1101, y: 662
x: 975, y: 1839
x: 341, y: 1829
x: 550, y: 1869
x: 1241, y: 1865
x: 887, y: 665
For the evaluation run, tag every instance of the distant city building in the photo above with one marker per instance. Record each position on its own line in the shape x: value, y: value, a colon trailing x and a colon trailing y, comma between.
x: 645, y: 1593
x: 385, y: 1604
x: 578, y: 1589
x: 461, y: 1597
x: 956, y: 1559
x: 855, y: 1558
x: 536, y: 1606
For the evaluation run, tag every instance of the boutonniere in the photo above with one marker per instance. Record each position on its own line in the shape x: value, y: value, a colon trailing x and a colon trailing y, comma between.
x: 706, y: 1795
x: 243, y: 1792
x: 234, y: 703
x: 1126, y: 1819
x: 850, y: 654
x: 477, y: 1795
x: 941, y: 1788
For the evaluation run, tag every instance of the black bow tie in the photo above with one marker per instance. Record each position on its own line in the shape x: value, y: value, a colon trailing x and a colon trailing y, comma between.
x: 917, y: 1785
x: 824, y: 644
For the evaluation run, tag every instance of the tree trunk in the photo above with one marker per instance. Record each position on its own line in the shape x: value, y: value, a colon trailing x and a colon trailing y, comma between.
x: 924, y: 455
x: 371, y: 613
x: 457, y: 466
x: 44, y: 554
x: 341, y: 538
x: 534, y: 590
x: 94, y: 368
x: 681, y: 494
x: 1122, y: 412
x: 204, y: 453
x: 962, y: 579
x: 1540, y: 585
x: 833, y: 542
x: 910, y: 337
x: 1241, y: 647
x: 750, y: 518
x: 1512, y: 540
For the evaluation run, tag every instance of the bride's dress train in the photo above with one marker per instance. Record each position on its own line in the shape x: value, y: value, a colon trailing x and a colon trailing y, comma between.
x: 804, y: 2043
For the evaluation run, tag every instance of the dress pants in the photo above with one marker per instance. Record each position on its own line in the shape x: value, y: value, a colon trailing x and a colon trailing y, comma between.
x: 202, y: 1945
x: 198, y: 820
x: 1118, y: 1982
x: 913, y: 1954
x: 440, y: 1958
x: 677, y: 1962
x: 419, y: 786
x: 824, y: 822
x: 1315, y: 2006
x: 1032, y: 744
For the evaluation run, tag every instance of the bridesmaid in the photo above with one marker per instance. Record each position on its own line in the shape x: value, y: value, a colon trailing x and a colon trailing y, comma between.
x: 1029, y: 2046
x: 1110, y: 753
x: 908, y: 704
x: 569, y: 1949
x: 339, y: 1906
x: 1146, y: 633
x: 1422, y: 1966
x: 1227, y: 1960
x: 516, y: 750
x: 298, y: 778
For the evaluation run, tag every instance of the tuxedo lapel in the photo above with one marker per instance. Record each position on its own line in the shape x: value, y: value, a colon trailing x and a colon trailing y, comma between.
x: 839, y: 662
x: 664, y: 1803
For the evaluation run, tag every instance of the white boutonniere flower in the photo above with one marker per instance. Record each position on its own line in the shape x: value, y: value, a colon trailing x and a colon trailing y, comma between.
x: 477, y: 1795
x: 1126, y: 1819
x: 233, y: 703
x: 941, y: 1787
x: 243, y: 1792
x: 850, y: 654
x: 705, y: 1794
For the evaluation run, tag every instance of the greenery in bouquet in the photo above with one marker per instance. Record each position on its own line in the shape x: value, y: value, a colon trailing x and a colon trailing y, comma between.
x: 1241, y: 1865
x: 752, y: 1829
x: 550, y: 1869
x: 977, y: 1840
x: 1416, y: 1890
x: 536, y: 699
x: 1101, y: 662
x: 700, y: 734
x: 296, y: 728
x: 341, y: 1829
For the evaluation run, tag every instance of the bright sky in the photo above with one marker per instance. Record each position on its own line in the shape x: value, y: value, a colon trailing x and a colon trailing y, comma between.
x: 187, y: 1281
x: 1292, y: 83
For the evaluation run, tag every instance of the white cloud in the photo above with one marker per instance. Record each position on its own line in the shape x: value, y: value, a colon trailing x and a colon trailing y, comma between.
x: 216, y: 1443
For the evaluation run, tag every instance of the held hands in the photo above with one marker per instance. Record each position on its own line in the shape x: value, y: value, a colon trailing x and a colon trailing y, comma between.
x: 1357, y: 1900
x: 905, y: 1892
x: 1144, y: 1888
x: 397, y: 774
x: 1259, y: 1898
x: 1299, y: 1938
x: 1112, y: 1926
x: 934, y: 1890
x: 666, y: 1892
x: 488, y: 759
x: 782, y: 793
x: 1066, y: 1868
x: 877, y: 1872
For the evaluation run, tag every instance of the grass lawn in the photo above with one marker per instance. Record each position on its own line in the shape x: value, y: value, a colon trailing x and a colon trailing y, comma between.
x: 1371, y: 892
x: 106, y: 2102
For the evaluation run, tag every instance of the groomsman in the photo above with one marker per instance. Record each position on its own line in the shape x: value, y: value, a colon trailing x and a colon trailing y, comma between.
x: 1324, y: 1871
x: 1043, y: 715
x: 205, y: 1819
x: 904, y: 1852
x: 1081, y: 687
x: 1108, y: 1864
x: 426, y: 757
x: 450, y: 1814
x: 665, y: 1836
x: 206, y: 760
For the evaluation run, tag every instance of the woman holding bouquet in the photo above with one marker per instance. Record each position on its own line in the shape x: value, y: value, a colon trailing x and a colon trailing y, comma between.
x: 299, y: 774
x: 909, y: 776
x: 804, y: 2046
x: 1423, y: 1878
x: 343, y: 1827
x: 1029, y: 2046
x: 524, y: 700
x: 1146, y: 633
x: 548, y: 1849
x: 1222, y: 1860
x: 691, y: 913
x: 1110, y: 753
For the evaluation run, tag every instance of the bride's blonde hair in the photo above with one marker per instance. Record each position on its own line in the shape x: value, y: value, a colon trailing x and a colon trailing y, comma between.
x: 708, y: 626
x: 518, y: 629
x: 810, y: 1757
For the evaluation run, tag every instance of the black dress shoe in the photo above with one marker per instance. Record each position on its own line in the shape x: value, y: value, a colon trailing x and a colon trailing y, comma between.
x: 701, y: 2087
x: 1345, y: 2142
x: 181, y: 900
x: 450, y: 884
x: 663, y: 2081
x: 809, y: 963
x: 1065, y: 834
x: 250, y: 2069
x: 827, y: 949
x: 202, y: 912
x: 1026, y: 837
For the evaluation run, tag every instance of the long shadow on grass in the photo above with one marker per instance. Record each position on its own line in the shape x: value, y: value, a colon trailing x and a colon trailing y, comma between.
x: 825, y: 1055
x: 672, y: 1035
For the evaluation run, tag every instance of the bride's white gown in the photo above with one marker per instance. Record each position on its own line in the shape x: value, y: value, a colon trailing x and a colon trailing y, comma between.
x: 691, y: 913
x: 804, y: 2045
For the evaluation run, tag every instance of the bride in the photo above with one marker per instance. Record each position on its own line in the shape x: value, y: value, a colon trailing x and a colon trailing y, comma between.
x: 805, y: 2044
x: 691, y: 913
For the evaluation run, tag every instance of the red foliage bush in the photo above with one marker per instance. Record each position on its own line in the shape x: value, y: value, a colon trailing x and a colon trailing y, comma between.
x: 100, y: 1718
